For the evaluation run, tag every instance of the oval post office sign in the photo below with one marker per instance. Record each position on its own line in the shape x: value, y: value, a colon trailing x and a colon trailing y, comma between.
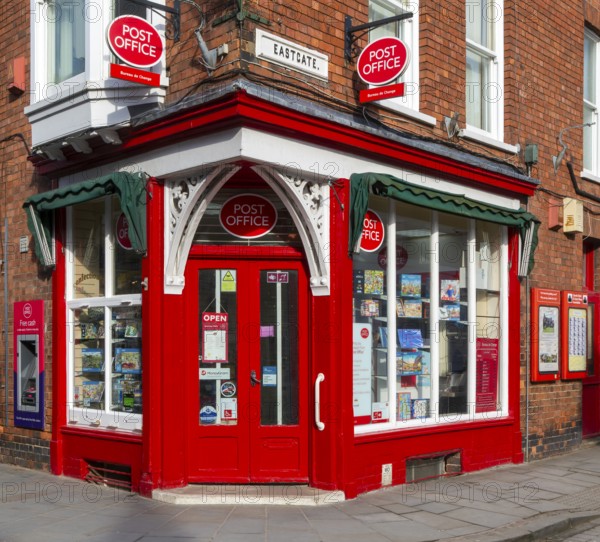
x: 135, y: 41
x: 248, y: 216
x: 383, y: 60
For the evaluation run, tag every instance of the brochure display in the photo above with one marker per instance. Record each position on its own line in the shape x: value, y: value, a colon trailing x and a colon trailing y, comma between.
x: 545, y: 335
x: 576, y: 342
x: 108, y: 359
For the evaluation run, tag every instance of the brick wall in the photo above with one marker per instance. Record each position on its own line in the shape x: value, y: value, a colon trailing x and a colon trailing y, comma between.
x: 543, y: 94
x: 26, y: 280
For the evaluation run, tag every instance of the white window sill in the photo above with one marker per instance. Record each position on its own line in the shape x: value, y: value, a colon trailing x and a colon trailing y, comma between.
x: 589, y: 176
x: 407, y: 111
x: 479, y: 137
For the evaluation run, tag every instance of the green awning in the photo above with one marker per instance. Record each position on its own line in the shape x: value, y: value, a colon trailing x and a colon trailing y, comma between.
x: 129, y: 187
x: 362, y: 185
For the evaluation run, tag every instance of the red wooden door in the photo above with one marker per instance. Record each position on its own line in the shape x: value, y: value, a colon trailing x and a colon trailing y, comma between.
x: 590, y: 408
x: 248, y: 364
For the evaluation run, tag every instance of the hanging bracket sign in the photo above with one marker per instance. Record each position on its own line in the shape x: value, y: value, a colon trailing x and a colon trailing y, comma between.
x: 380, y: 63
x: 137, y: 43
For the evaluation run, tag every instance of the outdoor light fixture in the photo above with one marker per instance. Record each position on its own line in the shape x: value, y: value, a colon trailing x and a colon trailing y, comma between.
x: 451, y: 123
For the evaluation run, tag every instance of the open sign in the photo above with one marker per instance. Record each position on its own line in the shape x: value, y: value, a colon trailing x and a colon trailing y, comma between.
x: 135, y: 41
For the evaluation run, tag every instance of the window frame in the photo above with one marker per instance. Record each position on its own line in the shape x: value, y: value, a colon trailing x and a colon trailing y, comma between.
x: 495, y: 67
x: 87, y: 416
x: 435, y: 419
x: 409, y: 104
x: 592, y: 173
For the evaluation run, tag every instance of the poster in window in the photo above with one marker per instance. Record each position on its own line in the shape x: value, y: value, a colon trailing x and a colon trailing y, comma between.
x: 486, y: 394
x: 362, y: 340
x: 214, y: 337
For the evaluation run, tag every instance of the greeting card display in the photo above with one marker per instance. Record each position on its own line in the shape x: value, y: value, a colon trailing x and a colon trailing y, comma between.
x: 420, y: 408
x: 410, y: 285
x: 92, y: 392
x: 412, y: 308
x: 450, y: 291
x: 369, y: 307
x: 410, y: 338
x: 92, y: 360
x: 403, y: 406
x: 410, y: 363
x: 128, y: 360
x: 373, y: 282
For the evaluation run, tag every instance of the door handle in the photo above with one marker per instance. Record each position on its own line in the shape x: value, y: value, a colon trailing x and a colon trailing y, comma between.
x: 320, y: 425
x: 253, y: 379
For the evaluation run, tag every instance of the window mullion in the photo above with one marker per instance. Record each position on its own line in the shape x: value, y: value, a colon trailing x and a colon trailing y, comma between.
x: 471, y: 318
x: 434, y: 314
x: 480, y: 49
x: 391, y: 308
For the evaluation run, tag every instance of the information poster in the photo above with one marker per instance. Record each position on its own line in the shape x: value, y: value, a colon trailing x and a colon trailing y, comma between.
x: 214, y: 337
x: 574, y: 339
x: 362, y: 340
x: 486, y: 398
x: 545, y: 334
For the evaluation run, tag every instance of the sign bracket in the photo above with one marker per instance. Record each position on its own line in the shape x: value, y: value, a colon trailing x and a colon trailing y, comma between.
x: 175, y: 11
x: 240, y: 14
x: 349, y: 39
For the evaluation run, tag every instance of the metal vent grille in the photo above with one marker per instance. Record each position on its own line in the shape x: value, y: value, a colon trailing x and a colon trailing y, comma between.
x: 108, y: 474
x: 435, y: 466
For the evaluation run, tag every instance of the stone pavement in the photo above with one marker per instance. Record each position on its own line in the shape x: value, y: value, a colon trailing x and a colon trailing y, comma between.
x: 532, y: 501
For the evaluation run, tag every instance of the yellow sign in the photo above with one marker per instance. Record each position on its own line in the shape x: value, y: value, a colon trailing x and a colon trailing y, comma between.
x: 228, y: 280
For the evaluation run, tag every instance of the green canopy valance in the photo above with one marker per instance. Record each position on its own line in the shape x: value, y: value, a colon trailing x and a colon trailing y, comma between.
x: 362, y: 185
x: 129, y: 188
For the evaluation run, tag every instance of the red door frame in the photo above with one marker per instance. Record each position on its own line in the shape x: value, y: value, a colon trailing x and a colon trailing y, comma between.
x: 590, y: 389
x: 227, y: 444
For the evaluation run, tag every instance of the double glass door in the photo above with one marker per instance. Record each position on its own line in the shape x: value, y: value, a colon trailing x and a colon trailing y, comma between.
x: 248, y: 348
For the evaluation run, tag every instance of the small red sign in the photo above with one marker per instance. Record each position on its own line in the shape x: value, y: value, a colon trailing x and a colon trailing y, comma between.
x: 383, y: 60
x: 373, y: 232
x: 135, y: 41
x: 127, y: 73
x: 248, y: 216
x: 122, y: 228
x: 381, y: 93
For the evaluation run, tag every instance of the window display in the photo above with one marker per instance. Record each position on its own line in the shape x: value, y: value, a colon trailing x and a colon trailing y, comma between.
x: 104, y: 303
x: 427, y: 341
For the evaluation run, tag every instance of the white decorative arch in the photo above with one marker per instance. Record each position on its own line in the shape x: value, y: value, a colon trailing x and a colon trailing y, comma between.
x: 185, y: 203
x: 306, y: 201
x: 308, y: 205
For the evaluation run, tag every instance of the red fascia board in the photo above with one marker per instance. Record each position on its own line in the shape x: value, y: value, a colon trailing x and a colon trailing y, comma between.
x: 242, y: 109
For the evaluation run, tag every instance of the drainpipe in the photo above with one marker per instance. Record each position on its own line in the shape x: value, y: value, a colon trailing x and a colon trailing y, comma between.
x: 5, y: 262
x: 578, y: 190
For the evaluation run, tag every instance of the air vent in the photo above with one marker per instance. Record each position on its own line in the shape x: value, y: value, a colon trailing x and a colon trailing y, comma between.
x: 433, y: 466
x: 109, y: 474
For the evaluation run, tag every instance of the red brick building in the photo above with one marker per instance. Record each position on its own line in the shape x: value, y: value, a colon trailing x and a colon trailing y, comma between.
x: 200, y: 204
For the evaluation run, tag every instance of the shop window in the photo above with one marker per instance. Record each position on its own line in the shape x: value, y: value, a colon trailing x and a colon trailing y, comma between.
x: 408, y: 31
x: 591, y: 141
x: 104, y: 305
x: 485, y: 67
x: 429, y: 306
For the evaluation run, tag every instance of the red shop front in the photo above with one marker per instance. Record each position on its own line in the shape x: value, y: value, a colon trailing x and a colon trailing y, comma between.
x: 224, y: 318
